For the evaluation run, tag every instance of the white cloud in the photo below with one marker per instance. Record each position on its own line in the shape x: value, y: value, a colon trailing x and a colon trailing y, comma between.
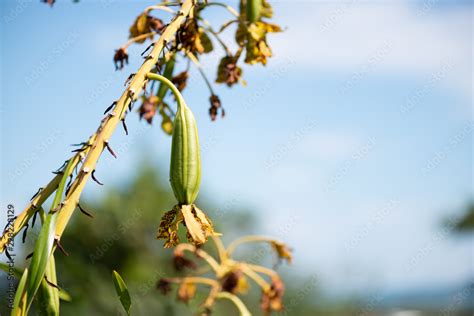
x: 346, y: 37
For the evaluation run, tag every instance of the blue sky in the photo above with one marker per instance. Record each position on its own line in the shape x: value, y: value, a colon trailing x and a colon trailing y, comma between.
x: 353, y: 144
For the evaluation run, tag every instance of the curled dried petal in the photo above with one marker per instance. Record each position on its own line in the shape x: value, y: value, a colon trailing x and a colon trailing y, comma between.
x: 282, y: 250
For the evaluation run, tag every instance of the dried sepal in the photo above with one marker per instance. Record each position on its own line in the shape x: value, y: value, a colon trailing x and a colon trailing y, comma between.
x: 197, y: 223
x: 199, y: 226
x: 168, y: 229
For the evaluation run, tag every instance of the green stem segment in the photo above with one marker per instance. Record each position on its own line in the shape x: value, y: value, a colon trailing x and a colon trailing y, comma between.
x: 170, y: 85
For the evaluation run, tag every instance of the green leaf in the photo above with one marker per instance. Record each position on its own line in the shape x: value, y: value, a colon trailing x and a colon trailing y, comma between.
x: 19, y: 305
x: 122, y: 291
x: 48, y: 295
x: 6, y: 268
x: 42, y: 253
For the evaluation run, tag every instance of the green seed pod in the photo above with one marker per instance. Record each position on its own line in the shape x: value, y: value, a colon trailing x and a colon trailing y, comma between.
x: 185, y: 169
x: 253, y: 10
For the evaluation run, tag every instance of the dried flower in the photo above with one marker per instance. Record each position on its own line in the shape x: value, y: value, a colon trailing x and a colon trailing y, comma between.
x: 192, y: 38
x: 120, y: 58
x: 145, y: 24
x: 235, y: 282
x: 155, y: 24
x: 180, y: 80
x: 199, y: 226
x: 186, y: 291
x: 148, y: 108
x: 272, y: 298
x: 282, y: 250
x: 180, y: 262
x: 215, y: 106
x: 164, y: 286
x: 228, y: 71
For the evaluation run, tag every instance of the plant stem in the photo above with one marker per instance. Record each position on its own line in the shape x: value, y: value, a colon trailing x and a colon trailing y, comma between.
x: 237, y: 302
x: 108, y: 126
x: 247, y: 239
x: 229, y: 8
x: 201, y: 71
x: 137, y: 38
x: 201, y: 253
x: 35, y: 204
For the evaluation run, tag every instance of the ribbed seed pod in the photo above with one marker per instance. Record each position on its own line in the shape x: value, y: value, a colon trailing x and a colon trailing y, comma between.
x: 185, y: 169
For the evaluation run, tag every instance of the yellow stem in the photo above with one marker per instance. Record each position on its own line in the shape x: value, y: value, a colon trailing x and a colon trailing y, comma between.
x: 257, y: 278
x: 237, y: 302
x: 109, y: 124
x: 199, y: 280
x: 261, y: 269
x: 159, y: 7
x: 35, y: 204
x: 201, y: 253
x: 247, y: 239
x: 220, y: 248
x: 137, y: 38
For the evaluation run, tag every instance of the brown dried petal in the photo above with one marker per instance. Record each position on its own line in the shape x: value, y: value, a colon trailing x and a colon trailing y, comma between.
x: 168, y: 229
x: 228, y: 72
x: 180, y: 80
x: 120, y: 58
x: 164, y: 286
x: 148, y: 108
x: 282, y: 250
x: 180, y: 262
x: 215, y: 106
x: 198, y: 225
x: 235, y: 282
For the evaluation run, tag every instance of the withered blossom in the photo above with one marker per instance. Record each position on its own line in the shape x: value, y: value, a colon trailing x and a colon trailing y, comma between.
x: 120, y: 58
x: 272, y: 298
x: 148, y: 108
x: 155, y: 24
x: 145, y: 24
x: 180, y: 80
x: 164, y: 286
x: 228, y: 72
x: 198, y: 225
x: 257, y: 48
x: 191, y: 38
x: 282, y: 250
x: 180, y: 262
x: 234, y: 282
x: 215, y: 106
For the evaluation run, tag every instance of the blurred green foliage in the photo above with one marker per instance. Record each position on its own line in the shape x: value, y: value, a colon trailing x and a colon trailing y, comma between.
x: 121, y: 237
